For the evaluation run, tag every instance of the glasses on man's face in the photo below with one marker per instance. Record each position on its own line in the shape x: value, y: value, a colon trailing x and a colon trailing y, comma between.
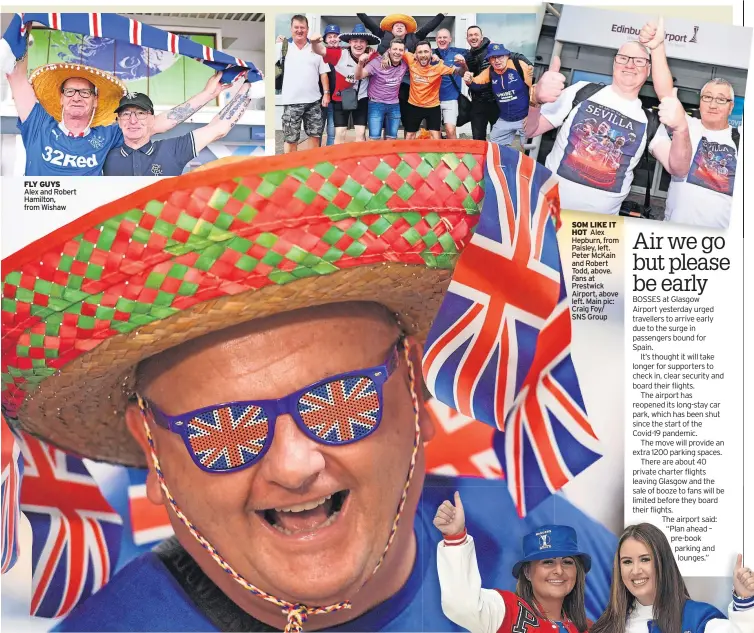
x: 639, y: 62
x: 126, y: 114
x: 336, y: 411
x: 717, y: 100
x: 84, y: 92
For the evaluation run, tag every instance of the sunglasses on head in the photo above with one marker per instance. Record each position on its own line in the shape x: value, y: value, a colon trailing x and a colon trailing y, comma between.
x: 335, y: 411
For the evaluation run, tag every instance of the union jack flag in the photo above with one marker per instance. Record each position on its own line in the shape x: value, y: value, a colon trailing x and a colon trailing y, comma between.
x: 341, y: 411
x: 499, y: 349
x: 76, y: 534
x: 461, y: 446
x: 228, y: 437
x: 123, y: 29
x: 12, y: 473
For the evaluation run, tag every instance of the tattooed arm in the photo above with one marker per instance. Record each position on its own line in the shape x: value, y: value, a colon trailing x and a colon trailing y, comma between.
x: 168, y: 120
x: 20, y: 88
x: 225, y: 119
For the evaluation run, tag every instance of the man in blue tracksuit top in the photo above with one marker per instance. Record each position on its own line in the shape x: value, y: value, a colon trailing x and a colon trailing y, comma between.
x: 450, y: 88
x: 511, y: 81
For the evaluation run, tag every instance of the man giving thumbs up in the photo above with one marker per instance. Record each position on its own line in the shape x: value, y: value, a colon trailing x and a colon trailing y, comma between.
x: 603, y: 129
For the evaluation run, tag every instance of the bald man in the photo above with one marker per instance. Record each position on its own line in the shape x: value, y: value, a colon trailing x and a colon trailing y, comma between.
x: 602, y: 137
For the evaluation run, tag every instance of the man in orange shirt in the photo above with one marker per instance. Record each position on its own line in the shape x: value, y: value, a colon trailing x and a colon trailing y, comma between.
x: 424, y: 95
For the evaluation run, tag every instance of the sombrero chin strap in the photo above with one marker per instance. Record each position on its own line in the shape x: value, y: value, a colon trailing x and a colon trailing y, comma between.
x: 296, y: 614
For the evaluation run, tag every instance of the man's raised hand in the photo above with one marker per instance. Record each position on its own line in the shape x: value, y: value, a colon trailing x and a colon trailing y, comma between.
x: 652, y: 35
x: 551, y: 83
x: 671, y: 112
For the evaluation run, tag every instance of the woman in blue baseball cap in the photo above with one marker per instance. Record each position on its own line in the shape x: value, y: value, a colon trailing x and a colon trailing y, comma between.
x: 649, y: 595
x: 550, y: 589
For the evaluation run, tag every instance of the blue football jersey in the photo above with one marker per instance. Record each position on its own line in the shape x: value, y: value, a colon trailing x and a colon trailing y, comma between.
x: 51, y: 152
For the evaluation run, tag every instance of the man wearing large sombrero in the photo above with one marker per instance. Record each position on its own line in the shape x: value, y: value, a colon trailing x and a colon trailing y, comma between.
x: 252, y: 334
x: 405, y: 27
x: 344, y: 62
x: 66, y: 115
x: 400, y: 25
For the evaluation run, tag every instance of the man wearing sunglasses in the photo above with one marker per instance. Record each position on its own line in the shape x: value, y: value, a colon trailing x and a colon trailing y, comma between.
x: 280, y: 412
x: 595, y: 170
x: 65, y: 116
x: 141, y: 156
x: 703, y: 194
x: 292, y: 446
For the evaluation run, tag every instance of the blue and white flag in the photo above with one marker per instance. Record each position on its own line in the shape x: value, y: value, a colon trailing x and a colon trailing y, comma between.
x: 122, y: 29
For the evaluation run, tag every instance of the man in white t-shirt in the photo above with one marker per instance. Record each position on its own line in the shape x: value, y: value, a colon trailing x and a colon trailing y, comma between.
x: 703, y: 197
x: 301, y: 99
x: 602, y: 139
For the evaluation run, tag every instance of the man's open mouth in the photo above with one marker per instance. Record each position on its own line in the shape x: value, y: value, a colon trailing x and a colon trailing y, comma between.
x: 305, y: 517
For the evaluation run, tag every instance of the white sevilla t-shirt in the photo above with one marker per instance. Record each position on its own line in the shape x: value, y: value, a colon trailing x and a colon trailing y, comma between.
x: 598, y: 146
x: 703, y: 197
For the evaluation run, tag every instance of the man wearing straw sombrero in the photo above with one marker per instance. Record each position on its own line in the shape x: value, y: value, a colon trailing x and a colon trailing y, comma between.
x: 344, y: 62
x: 252, y: 334
x: 400, y: 25
x: 405, y: 27
x: 66, y: 115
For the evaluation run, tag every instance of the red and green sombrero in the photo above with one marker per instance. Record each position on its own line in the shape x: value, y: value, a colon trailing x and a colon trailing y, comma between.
x: 380, y: 221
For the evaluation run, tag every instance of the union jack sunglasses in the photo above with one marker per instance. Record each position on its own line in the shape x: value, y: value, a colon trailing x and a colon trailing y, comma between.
x: 335, y: 411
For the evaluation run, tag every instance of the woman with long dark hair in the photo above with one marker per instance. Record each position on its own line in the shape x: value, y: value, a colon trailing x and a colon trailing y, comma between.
x: 648, y: 594
x: 551, y: 580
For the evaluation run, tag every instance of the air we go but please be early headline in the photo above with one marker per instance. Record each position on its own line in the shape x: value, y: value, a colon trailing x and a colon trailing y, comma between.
x: 703, y: 257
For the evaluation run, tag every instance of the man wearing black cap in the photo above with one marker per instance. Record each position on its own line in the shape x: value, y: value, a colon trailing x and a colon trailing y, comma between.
x: 141, y: 156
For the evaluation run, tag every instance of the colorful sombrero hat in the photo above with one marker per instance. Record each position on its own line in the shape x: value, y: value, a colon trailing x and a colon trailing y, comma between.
x: 186, y: 256
x: 46, y: 81
x: 360, y: 32
x: 390, y: 20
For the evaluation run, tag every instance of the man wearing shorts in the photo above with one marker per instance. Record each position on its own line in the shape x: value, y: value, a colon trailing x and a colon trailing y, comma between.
x: 424, y: 96
x: 384, y: 86
x: 450, y: 88
x: 344, y: 61
x: 301, y: 99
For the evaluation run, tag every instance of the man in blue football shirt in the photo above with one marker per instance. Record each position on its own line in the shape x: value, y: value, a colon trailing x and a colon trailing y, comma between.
x: 306, y: 522
x: 450, y: 88
x: 66, y: 115
x: 140, y: 155
x: 284, y: 428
